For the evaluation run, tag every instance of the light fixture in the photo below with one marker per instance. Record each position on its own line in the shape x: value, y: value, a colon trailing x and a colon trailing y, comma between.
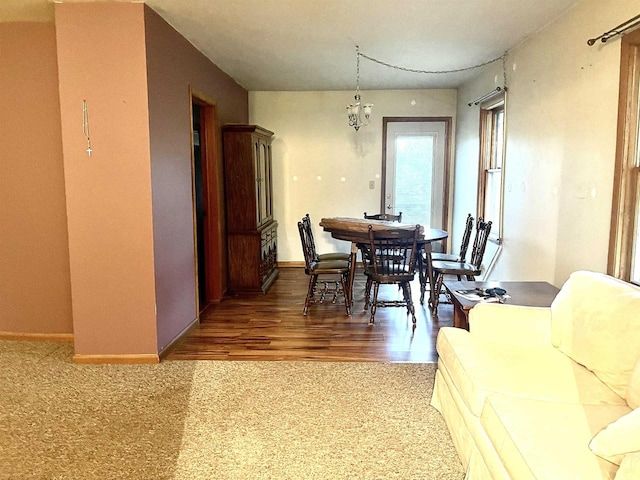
x: 356, y: 110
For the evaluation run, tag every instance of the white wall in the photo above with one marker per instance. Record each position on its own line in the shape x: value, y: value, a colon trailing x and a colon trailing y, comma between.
x: 321, y: 166
x: 561, y: 138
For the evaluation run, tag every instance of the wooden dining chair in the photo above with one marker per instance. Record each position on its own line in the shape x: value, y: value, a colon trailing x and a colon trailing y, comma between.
x: 336, y: 273
x: 461, y: 256
x: 393, y: 261
x: 306, y: 222
x: 469, y: 270
x: 384, y: 216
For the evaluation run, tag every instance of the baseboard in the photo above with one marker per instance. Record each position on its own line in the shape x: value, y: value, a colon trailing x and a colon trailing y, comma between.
x: 37, y: 337
x: 291, y: 265
x: 186, y: 331
x: 117, y: 359
x: 302, y: 265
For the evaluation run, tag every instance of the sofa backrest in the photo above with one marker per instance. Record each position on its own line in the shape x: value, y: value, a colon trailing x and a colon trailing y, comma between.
x: 633, y: 392
x: 595, y: 320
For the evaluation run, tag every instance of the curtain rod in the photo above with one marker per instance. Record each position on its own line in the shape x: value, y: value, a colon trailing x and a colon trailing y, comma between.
x: 615, y: 31
x: 488, y: 95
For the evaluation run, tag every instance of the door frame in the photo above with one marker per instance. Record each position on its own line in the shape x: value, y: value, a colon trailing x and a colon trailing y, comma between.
x: 448, y: 121
x: 213, y: 234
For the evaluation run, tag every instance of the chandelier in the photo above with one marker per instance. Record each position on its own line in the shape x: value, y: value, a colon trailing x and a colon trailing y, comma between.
x: 356, y: 110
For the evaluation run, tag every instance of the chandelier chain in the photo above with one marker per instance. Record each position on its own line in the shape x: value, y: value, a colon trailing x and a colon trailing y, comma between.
x: 413, y: 70
x: 359, y: 114
x: 357, y: 70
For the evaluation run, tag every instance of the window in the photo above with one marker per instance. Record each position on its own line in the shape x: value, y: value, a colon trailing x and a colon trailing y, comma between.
x: 624, y: 245
x: 490, y: 176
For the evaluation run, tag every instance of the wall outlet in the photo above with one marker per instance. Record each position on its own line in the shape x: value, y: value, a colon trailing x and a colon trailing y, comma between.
x: 372, y: 184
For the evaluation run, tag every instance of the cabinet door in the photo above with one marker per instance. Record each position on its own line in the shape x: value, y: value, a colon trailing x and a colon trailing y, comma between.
x: 261, y: 181
x: 268, y: 190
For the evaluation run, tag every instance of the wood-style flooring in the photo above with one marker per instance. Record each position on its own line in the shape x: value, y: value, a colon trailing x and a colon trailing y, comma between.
x: 272, y: 327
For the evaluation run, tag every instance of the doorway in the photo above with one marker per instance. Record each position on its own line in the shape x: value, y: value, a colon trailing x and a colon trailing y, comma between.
x: 415, y: 170
x: 206, y: 201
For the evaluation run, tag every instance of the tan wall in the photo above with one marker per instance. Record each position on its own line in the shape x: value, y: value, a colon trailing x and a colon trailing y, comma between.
x: 173, y: 64
x: 35, y: 290
x: 323, y: 167
x: 561, y: 139
x: 101, y: 58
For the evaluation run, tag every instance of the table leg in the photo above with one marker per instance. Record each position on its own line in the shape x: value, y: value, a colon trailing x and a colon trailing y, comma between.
x: 352, y: 270
x: 460, y: 316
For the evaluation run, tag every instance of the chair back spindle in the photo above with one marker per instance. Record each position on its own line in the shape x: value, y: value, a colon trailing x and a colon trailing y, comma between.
x: 480, y: 243
x: 306, y: 223
x: 393, y: 251
x: 466, y: 237
x: 307, y: 247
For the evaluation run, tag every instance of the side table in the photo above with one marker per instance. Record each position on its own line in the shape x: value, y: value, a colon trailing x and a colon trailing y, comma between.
x: 531, y: 294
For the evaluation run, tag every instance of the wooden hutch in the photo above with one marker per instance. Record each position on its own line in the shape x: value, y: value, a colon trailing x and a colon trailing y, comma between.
x: 251, y: 229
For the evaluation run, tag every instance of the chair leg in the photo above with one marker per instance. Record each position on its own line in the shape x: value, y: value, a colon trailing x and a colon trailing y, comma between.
x: 436, y: 299
x: 407, y: 296
x: 345, y: 285
x: 367, y: 294
x: 312, y: 285
x: 422, y: 276
x: 375, y: 301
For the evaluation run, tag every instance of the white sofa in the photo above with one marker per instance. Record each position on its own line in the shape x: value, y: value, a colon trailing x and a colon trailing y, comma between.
x: 546, y: 393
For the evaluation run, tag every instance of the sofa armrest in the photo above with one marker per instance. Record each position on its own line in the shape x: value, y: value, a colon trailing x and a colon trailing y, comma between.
x: 512, y: 324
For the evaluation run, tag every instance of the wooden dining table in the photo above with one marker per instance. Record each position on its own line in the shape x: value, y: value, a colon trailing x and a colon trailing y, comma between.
x: 356, y: 231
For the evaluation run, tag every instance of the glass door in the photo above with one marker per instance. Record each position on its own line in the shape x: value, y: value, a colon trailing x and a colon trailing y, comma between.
x: 415, y: 172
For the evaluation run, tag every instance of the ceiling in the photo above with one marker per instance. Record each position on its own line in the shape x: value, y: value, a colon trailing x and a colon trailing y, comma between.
x: 311, y: 44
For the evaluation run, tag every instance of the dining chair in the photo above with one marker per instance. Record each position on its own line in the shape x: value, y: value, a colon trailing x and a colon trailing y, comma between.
x: 447, y: 257
x: 335, y: 284
x: 469, y: 270
x: 306, y: 222
x: 461, y: 256
x: 393, y: 254
x: 384, y: 216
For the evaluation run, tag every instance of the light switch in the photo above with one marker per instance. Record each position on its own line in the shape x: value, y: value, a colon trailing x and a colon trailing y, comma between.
x: 372, y: 184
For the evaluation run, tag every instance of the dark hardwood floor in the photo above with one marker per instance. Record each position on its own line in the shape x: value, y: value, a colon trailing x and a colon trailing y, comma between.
x: 272, y: 327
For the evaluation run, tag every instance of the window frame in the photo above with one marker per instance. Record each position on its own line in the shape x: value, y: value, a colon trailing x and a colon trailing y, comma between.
x: 487, y: 161
x: 626, y: 186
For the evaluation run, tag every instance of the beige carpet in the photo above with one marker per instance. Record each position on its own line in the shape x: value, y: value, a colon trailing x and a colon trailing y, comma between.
x: 217, y: 420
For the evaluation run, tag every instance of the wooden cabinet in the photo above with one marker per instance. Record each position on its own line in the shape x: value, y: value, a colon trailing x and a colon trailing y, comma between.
x: 251, y: 229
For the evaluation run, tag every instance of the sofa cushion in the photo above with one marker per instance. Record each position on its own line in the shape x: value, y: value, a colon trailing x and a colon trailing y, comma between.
x: 633, y: 392
x: 595, y: 319
x: 618, y: 438
x: 538, y: 439
x: 480, y: 367
x: 629, y: 468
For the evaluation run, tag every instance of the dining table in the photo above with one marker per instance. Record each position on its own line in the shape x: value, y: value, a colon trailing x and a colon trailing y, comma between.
x: 356, y: 231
